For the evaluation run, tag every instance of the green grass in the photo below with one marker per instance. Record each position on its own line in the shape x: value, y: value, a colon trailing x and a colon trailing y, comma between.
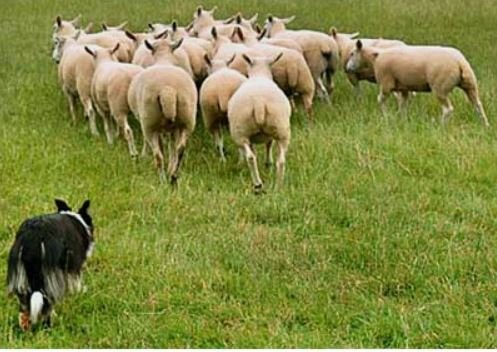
x: 384, y: 235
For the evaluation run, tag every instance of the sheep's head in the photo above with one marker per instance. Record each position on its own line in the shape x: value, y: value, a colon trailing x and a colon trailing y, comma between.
x: 163, y: 50
x: 360, y: 58
x: 103, y: 53
x: 261, y: 66
x: 65, y: 28
x: 274, y: 25
x: 202, y: 19
x: 60, y: 43
x: 216, y: 65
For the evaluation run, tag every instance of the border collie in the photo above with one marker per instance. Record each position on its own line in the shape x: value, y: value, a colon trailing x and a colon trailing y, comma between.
x: 46, y: 261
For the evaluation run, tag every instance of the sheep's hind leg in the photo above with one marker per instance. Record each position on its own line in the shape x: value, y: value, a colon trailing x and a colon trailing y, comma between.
x: 252, y: 164
x: 269, y: 153
x: 90, y: 113
x: 218, y: 140
x: 155, y: 144
x: 402, y: 100
x: 382, y: 97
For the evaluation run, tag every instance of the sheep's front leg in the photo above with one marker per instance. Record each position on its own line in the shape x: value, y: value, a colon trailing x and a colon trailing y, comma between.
x: 382, y: 97
x: 402, y: 100
x: 322, y: 91
x: 447, y: 108
x: 252, y: 164
x: 280, y: 163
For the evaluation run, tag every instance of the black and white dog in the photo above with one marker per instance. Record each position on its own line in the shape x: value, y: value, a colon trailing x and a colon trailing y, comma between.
x: 46, y: 260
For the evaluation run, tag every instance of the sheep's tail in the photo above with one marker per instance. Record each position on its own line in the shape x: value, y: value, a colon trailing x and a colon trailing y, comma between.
x: 36, y: 305
x: 259, y: 111
x: 167, y: 100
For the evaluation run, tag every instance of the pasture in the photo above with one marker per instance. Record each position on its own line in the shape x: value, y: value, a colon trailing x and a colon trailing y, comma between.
x: 384, y: 234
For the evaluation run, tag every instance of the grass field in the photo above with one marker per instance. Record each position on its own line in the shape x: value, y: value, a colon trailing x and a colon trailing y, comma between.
x: 384, y: 235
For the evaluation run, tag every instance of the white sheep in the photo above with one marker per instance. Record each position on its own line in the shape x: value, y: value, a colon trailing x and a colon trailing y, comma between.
x: 346, y: 44
x: 109, y: 91
x: 320, y: 51
x: 203, y: 22
x: 291, y: 73
x: 259, y: 112
x: 164, y: 99
x: 75, y: 71
x: 419, y: 69
x: 215, y: 93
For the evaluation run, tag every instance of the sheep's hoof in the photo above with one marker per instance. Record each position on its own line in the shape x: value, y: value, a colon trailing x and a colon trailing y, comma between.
x: 174, y: 180
x: 258, y: 189
x: 268, y: 164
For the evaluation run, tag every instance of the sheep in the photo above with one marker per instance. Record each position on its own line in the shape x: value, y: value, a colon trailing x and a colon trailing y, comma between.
x: 215, y: 93
x: 75, y: 72
x: 346, y: 45
x: 260, y: 112
x: 291, y: 73
x: 119, y: 28
x: 320, y: 51
x: 109, y: 92
x: 179, y: 32
x: 203, y: 22
x: 164, y: 99
x: 63, y: 28
x: 419, y: 69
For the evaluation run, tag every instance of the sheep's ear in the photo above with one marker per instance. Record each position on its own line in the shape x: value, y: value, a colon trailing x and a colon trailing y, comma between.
x: 76, y: 20
x: 358, y: 45
x: 199, y: 11
x: 84, y: 208
x: 214, y: 32
x: 76, y: 35
x: 104, y: 26
x: 207, y: 60
x: 151, y: 27
x: 88, y: 27
x: 176, y: 45
x: 174, y: 26
x: 287, y: 20
x: 213, y: 10
x: 240, y: 33
x: 58, y: 21
x: 276, y: 59
x: 253, y: 20
x: 270, y: 19
x: 114, y: 49
x: 122, y: 25
x: 258, y: 28
x: 162, y: 35
x: 333, y: 32
x: 354, y: 35
x: 62, y: 205
x: 131, y: 35
x: 231, y: 60
x: 189, y: 27
x: 238, y: 18
x: 262, y: 34
x: 248, y: 59
x: 149, y: 46
x: 91, y: 52
x: 229, y: 20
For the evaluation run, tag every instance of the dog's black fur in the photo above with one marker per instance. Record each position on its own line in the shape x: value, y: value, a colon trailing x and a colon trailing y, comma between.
x: 47, y: 257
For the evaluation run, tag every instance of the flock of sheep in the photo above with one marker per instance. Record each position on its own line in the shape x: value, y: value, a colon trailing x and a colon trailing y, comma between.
x: 241, y: 75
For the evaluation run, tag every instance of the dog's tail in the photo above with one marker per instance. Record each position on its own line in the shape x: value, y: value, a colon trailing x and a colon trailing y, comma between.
x: 36, y: 306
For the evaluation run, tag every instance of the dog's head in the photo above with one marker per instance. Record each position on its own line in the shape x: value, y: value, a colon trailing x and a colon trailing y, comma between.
x: 83, y: 211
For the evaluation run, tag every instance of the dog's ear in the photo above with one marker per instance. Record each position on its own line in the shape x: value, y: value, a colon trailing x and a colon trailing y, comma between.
x: 62, y: 205
x: 84, y: 207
